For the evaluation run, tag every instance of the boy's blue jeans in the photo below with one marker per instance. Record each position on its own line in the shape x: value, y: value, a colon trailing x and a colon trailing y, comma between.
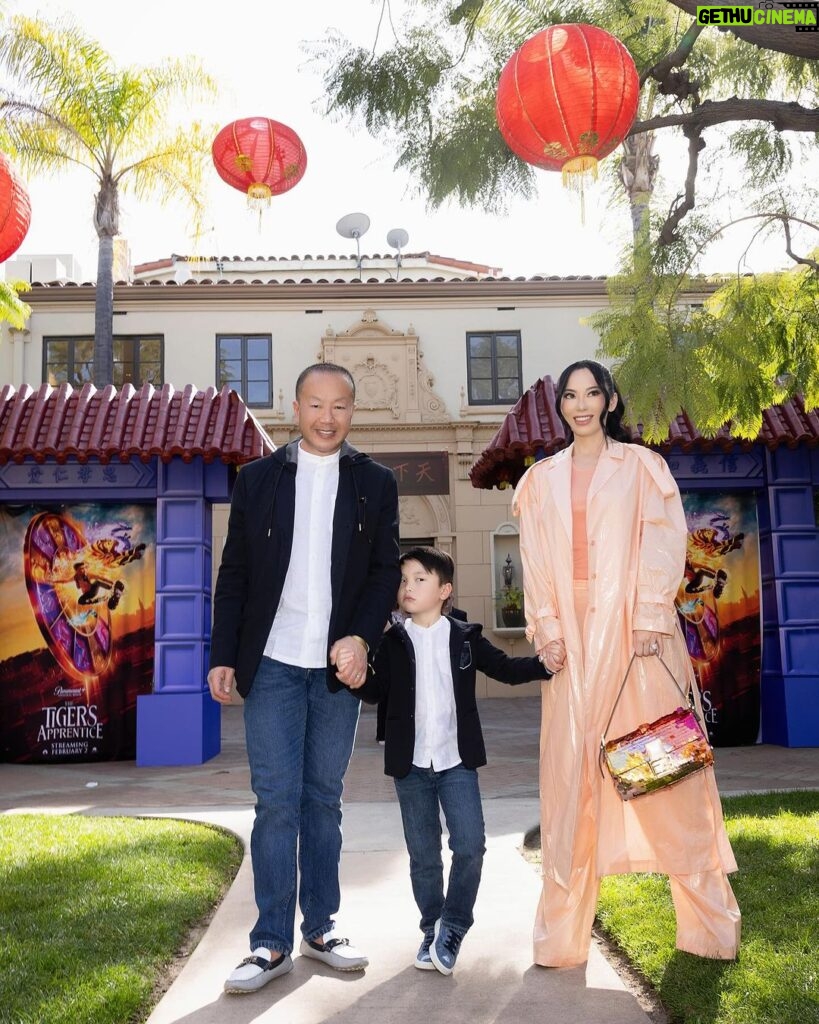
x: 299, y: 742
x: 421, y: 795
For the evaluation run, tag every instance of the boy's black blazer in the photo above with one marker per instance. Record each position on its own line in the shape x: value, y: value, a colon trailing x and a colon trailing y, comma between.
x: 392, y: 678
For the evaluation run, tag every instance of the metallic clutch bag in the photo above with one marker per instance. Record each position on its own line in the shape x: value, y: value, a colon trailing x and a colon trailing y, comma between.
x: 656, y: 754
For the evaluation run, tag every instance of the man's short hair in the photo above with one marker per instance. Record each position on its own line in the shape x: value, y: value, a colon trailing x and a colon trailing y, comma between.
x: 433, y: 560
x: 324, y: 368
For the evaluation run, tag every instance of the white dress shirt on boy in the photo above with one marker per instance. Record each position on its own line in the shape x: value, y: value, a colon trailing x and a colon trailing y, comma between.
x: 436, y: 723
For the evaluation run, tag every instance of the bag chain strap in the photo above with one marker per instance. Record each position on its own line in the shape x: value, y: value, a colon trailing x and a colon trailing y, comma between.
x: 687, y: 697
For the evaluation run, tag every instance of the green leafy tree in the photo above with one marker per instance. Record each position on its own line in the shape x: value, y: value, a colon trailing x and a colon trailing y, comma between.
x: 432, y: 94
x: 66, y: 104
x: 751, y: 344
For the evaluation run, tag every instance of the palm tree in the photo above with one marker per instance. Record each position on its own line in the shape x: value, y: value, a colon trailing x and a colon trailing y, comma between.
x: 66, y: 104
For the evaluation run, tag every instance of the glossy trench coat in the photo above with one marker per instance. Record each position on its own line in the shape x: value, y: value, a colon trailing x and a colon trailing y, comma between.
x: 637, y: 537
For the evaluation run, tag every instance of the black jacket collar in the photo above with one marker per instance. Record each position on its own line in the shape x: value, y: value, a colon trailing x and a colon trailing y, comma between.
x: 288, y: 454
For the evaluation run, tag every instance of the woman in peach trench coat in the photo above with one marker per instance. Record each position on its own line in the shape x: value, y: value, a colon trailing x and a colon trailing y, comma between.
x: 636, y: 537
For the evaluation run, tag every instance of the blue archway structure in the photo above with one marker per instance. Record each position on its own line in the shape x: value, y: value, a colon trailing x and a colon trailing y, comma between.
x: 179, y: 449
x: 781, y: 468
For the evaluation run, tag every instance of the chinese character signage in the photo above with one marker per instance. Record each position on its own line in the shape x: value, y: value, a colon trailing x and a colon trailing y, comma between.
x: 418, y: 472
x: 50, y: 476
x: 728, y: 466
x: 77, y: 596
x: 719, y: 608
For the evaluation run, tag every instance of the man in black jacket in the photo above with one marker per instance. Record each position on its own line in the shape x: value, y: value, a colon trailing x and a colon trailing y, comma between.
x: 308, y: 576
x: 425, y: 672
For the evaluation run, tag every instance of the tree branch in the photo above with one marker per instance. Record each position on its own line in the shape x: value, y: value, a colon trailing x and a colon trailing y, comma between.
x: 767, y: 217
x: 781, y: 38
x: 668, y: 234
x: 785, y: 117
x: 805, y: 260
x: 676, y: 84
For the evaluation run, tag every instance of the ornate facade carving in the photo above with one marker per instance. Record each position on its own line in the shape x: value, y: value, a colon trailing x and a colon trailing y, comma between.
x: 427, y: 516
x: 376, y: 387
x: 432, y: 407
x: 388, y: 369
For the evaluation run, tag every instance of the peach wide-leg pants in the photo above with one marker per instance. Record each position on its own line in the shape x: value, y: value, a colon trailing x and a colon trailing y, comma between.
x: 708, y: 918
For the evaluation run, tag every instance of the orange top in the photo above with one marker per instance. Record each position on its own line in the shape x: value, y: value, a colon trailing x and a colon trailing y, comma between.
x: 581, y: 478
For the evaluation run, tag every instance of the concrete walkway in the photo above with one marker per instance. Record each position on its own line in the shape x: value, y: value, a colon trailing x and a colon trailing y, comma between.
x: 494, y: 981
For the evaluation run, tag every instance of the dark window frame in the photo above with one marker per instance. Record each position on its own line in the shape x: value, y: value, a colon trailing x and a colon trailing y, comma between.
x: 493, y: 336
x: 243, y: 338
x: 73, y: 339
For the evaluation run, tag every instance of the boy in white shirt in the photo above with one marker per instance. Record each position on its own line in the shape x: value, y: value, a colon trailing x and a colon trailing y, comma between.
x: 425, y: 671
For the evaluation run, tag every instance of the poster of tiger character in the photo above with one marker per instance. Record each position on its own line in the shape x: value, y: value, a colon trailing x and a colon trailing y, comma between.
x: 719, y: 607
x: 77, y: 607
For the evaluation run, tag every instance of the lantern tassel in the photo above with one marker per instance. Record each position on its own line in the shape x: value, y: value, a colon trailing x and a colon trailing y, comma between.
x: 576, y: 173
x: 258, y: 199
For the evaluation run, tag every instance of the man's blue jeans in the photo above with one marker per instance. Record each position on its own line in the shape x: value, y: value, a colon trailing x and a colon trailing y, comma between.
x: 299, y: 742
x: 421, y: 795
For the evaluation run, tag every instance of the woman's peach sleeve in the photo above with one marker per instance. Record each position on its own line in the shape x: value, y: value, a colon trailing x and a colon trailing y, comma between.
x: 542, y: 621
x: 661, y: 560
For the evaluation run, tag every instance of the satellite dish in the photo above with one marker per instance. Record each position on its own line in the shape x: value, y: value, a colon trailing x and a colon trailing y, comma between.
x: 354, y: 225
x: 397, y: 238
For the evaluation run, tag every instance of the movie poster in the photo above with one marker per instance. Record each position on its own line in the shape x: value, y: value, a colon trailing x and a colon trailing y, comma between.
x: 719, y: 607
x: 77, y: 595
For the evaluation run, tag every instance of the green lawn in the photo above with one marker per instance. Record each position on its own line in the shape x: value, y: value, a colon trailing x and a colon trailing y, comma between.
x: 776, y: 978
x: 94, y: 910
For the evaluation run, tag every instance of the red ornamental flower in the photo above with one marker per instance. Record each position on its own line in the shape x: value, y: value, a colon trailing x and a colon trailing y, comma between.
x: 567, y: 98
x: 15, y: 210
x: 260, y: 157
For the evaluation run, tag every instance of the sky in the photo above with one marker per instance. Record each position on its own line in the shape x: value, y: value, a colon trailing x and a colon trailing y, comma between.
x: 256, y: 53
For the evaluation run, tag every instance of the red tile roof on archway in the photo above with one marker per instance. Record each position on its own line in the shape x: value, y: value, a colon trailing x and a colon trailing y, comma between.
x: 533, y: 425
x: 107, y: 424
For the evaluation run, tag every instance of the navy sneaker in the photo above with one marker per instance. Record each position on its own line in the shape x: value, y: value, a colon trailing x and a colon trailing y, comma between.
x: 423, y: 961
x: 445, y: 947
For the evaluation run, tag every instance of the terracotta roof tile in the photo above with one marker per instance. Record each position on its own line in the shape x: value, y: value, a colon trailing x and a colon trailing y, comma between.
x: 106, y: 424
x: 533, y: 425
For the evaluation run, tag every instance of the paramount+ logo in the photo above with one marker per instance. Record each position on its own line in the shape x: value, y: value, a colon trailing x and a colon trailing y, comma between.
x: 804, y: 16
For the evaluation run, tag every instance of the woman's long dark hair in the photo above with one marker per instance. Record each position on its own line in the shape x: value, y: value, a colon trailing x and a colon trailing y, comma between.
x: 611, y: 422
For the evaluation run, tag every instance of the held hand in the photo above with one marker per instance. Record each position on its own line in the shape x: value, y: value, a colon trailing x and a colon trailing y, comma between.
x: 345, y: 663
x: 647, y: 642
x: 344, y: 658
x: 220, y: 681
x: 553, y: 655
x: 350, y: 659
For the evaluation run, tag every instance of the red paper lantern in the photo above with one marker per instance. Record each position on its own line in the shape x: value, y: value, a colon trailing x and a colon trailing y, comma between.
x: 567, y: 98
x: 260, y: 157
x: 15, y: 210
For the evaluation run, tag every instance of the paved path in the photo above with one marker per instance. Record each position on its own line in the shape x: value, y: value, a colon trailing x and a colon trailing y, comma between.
x: 495, y: 981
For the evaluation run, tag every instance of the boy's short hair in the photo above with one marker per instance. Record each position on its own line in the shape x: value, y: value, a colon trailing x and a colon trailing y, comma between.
x: 433, y: 560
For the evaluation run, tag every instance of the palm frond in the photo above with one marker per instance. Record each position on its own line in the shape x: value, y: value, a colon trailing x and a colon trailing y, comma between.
x: 12, y: 308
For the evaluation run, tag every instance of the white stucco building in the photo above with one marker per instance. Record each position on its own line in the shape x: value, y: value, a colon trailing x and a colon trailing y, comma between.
x: 440, y: 350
